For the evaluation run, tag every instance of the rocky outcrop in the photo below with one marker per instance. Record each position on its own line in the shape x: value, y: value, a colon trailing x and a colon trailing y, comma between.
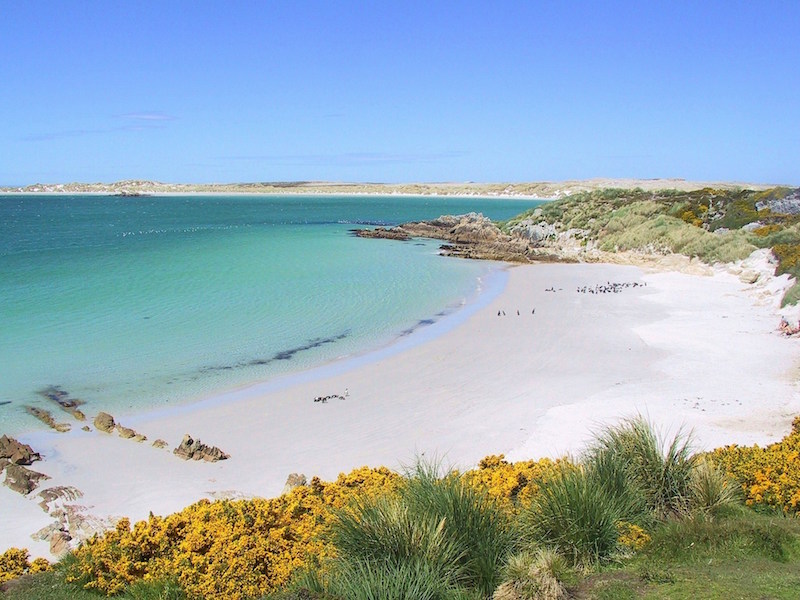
x: 45, y: 417
x: 129, y: 434
x: 16, y: 452
x: 104, y: 422
x: 382, y: 233
x: 788, y: 205
x: 191, y: 449
x: 21, y: 479
x: 160, y: 444
x: 58, y: 496
x: 294, y: 480
x: 469, y: 236
x: 58, y: 537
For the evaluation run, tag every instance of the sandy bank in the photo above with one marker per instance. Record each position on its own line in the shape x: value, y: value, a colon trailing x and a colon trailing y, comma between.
x: 697, y: 351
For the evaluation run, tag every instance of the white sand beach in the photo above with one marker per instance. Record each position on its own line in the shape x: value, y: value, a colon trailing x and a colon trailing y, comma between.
x: 695, y: 351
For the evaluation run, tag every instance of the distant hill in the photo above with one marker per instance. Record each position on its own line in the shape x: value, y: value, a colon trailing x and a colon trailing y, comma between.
x: 540, y: 189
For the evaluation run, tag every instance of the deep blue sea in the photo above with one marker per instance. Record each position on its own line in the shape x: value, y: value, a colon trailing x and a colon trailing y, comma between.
x: 137, y: 303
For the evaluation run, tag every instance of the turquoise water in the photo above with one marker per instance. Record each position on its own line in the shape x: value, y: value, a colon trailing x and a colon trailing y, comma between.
x: 137, y: 303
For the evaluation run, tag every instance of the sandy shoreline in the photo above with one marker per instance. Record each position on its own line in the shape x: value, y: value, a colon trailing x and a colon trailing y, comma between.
x: 685, y: 350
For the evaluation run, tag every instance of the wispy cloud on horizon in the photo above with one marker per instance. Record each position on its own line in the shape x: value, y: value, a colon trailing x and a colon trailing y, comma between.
x: 347, y: 158
x: 137, y: 121
x: 148, y: 116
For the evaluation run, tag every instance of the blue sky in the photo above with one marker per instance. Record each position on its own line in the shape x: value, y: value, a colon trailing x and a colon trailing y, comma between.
x: 398, y: 91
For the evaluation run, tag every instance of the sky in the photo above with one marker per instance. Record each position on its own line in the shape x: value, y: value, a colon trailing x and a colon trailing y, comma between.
x: 380, y: 91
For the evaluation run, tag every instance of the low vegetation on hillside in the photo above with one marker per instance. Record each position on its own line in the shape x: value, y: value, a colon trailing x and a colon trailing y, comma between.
x: 714, y: 225
x: 636, y: 516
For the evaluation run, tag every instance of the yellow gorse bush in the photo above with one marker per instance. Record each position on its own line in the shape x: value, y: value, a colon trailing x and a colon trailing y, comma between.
x: 769, y: 475
x: 14, y: 563
x: 512, y: 484
x: 237, y: 549
x: 632, y: 536
x: 229, y: 549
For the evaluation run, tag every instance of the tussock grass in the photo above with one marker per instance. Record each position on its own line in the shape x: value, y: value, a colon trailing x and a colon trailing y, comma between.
x: 436, y: 535
x: 575, y: 515
x: 537, y: 574
x: 472, y: 521
x: 712, y: 490
x: 660, y: 471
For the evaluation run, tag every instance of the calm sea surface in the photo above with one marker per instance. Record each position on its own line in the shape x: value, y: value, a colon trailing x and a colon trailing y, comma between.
x: 136, y: 303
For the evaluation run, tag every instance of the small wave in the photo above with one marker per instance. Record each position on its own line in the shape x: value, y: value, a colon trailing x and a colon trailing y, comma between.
x: 359, y: 222
x: 181, y: 230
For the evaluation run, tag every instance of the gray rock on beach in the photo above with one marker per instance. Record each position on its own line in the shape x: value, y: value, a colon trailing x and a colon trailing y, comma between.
x: 294, y: 480
x: 21, y: 479
x: 17, y: 452
x: 196, y: 450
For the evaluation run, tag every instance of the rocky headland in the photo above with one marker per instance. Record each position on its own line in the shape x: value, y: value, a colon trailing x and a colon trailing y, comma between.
x: 469, y: 236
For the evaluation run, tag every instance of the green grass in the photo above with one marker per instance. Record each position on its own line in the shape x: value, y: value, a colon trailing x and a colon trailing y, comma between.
x: 741, y: 555
x: 50, y: 585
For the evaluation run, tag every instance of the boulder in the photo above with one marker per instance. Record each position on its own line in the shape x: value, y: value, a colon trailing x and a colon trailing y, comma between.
x: 22, y: 480
x: 104, y: 422
x: 160, y: 444
x: 196, y: 450
x: 294, y: 480
x: 129, y: 434
x: 16, y: 452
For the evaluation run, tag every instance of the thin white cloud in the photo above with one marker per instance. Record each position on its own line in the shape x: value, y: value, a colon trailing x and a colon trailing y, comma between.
x: 350, y: 158
x: 148, y: 116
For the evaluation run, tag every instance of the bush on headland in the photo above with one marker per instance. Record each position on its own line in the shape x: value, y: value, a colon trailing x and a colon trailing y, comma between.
x: 713, y: 225
x: 503, y: 526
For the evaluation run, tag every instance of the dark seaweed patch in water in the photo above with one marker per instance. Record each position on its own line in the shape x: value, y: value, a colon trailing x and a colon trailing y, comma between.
x: 282, y: 355
x: 418, y: 324
x: 4, y: 402
x: 315, y: 343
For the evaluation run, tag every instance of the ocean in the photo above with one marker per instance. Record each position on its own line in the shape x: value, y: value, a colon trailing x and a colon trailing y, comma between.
x: 134, y: 303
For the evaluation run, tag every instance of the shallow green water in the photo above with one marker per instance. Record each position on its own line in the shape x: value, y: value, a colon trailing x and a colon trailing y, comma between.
x: 135, y: 303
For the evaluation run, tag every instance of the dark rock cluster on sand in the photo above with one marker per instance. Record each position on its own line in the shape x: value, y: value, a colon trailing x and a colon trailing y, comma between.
x: 105, y: 422
x: 14, y: 456
x: 195, y: 450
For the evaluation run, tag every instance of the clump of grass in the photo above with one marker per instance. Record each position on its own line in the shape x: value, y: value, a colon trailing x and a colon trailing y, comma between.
x: 160, y: 589
x: 575, y: 515
x: 375, y: 579
x: 385, y: 530
x: 661, y: 472
x: 437, y: 532
x: 472, y: 521
x: 536, y: 574
x: 712, y: 490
